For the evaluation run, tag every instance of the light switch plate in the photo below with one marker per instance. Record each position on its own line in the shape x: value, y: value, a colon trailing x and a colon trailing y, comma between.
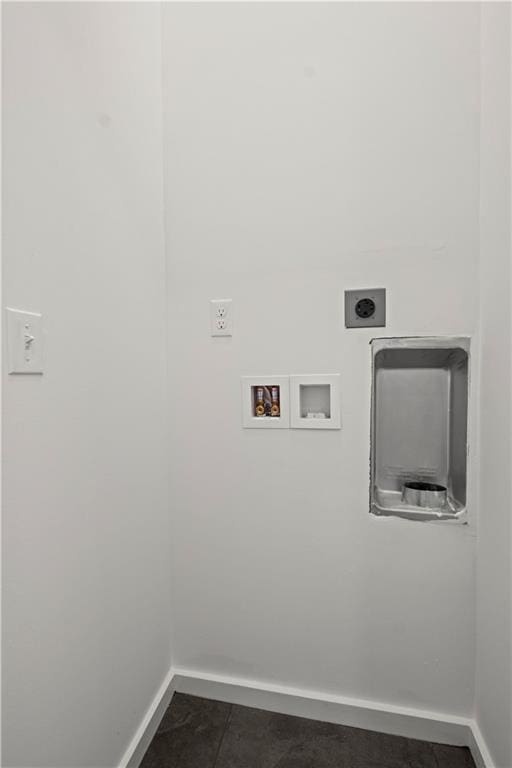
x: 24, y: 341
x: 365, y: 308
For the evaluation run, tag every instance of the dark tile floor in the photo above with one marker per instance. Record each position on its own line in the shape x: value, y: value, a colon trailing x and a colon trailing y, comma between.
x: 199, y: 733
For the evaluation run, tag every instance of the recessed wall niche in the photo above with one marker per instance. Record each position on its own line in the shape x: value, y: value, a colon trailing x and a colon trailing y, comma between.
x: 419, y: 428
x: 315, y: 401
x: 265, y: 402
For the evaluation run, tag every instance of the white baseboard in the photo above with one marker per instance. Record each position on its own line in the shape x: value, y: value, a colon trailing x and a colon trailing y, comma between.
x: 358, y: 713
x: 479, y: 749
x: 316, y: 705
x: 150, y: 722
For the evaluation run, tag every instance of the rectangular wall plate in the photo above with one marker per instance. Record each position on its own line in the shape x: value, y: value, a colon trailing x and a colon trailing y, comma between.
x: 24, y: 341
x: 365, y: 308
x: 251, y: 385
x: 221, y: 317
x: 315, y: 401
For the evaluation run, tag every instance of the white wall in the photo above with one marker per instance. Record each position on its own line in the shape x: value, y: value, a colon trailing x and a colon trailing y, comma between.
x: 310, y: 148
x: 86, y: 545
x: 494, y: 669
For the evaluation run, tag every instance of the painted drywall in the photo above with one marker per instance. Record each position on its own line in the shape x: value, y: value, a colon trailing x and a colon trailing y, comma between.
x: 494, y: 670
x: 86, y: 640
x: 311, y: 148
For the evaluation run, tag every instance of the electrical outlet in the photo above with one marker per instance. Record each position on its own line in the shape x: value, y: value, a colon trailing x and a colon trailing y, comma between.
x: 221, y: 317
x: 365, y: 308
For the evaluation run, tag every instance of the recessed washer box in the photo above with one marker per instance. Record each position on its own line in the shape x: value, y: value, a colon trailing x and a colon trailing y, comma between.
x: 315, y: 401
x: 265, y: 402
x: 418, y: 463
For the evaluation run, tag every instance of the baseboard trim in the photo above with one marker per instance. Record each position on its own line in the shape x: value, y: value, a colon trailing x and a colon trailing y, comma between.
x: 479, y: 749
x: 317, y: 705
x: 150, y: 722
x: 359, y: 713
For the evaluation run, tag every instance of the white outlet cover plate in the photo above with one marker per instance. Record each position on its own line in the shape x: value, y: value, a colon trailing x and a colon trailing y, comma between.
x: 250, y: 421
x: 221, y: 317
x: 318, y: 381
x: 24, y: 341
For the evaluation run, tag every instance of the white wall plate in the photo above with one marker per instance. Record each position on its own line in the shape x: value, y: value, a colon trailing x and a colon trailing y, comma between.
x: 315, y: 401
x: 257, y: 396
x: 221, y: 317
x: 24, y: 341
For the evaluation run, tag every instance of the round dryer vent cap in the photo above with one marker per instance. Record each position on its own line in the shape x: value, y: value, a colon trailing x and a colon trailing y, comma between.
x: 419, y: 494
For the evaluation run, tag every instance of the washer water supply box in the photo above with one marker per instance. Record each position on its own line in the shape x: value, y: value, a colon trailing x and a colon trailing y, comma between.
x: 308, y: 401
x: 265, y: 402
x: 418, y: 462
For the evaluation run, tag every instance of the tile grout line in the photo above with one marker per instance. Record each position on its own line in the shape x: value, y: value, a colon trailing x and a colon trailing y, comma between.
x: 226, y: 724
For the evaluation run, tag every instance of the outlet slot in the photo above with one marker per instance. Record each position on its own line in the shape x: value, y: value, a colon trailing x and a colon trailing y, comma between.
x: 365, y: 308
